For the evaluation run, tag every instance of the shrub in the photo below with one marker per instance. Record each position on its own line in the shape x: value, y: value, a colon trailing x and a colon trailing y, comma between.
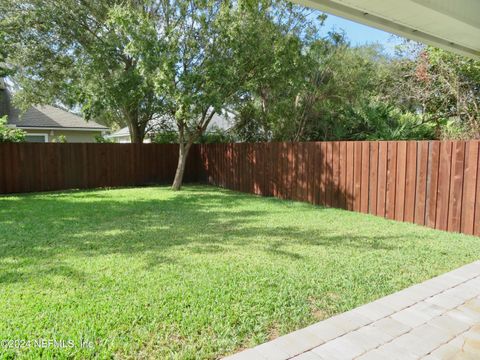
x: 62, y: 139
x: 100, y: 139
x: 165, y: 137
x: 10, y: 135
x: 214, y: 136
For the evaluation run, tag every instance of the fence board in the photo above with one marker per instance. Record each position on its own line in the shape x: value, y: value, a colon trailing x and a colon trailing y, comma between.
x: 278, y: 169
x: 456, y: 186
x: 410, y: 181
x: 248, y: 168
x: 382, y: 178
x: 373, y: 188
x: 323, y: 174
x: 421, y: 187
x: 302, y: 195
x: 293, y: 170
x: 432, y: 184
x: 318, y: 170
x: 257, y: 170
x: 365, y: 177
x: 335, y: 173
x: 329, y: 175
x: 224, y: 166
x: 469, y: 187
x: 476, y: 226
x: 289, y: 171
x: 400, y: 183
x: 241, y: 168
x: 343, y: 175
x: 3, y: 169
x: 350, y: 177
x: 235, y: 166
x: 443, y: 192
x: 357, y: 176
x: 311, y: 172
x: 8, y: 169
x: 391, y: 179
x: 13, y: 170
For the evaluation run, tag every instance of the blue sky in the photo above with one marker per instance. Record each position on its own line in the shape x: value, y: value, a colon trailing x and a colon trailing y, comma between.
x: 359, y: 34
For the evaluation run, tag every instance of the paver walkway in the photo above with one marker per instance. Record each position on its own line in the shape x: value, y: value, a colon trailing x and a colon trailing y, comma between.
x: 437, y: 319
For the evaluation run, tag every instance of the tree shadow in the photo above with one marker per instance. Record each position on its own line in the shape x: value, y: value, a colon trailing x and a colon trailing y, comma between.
x: 315, y: 172
x: 38, y: 229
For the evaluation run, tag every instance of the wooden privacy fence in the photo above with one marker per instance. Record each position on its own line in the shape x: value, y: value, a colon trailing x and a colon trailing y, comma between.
x: 432, y: 183
x: 32, y: 167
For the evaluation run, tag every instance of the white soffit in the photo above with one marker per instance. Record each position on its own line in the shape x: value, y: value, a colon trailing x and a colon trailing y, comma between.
x: 449, y: 24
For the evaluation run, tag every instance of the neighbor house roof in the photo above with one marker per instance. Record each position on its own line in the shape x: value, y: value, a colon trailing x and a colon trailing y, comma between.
x: 223, y: 122
x: 452, y: 25
x: 50, y: 117
x: 45, y: 117
x: 120, y: 133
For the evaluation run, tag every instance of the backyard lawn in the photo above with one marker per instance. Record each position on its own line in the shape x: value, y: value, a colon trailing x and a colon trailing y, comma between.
x: 201, y: 273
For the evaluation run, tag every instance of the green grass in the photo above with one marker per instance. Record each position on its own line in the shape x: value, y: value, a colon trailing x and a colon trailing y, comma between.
x: 149, y: 273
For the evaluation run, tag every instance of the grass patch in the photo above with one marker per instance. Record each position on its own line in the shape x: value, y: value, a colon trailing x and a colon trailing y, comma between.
x: 150, y: 273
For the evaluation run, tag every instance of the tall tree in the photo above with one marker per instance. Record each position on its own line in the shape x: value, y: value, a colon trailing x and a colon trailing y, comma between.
x: 441, y: 87
x: 76, y: 53
x: 316, y: 98
x: 271, y: 105
x: 214, y: 53
x: 3, y: 55
x: 133, y: 60
x: 257, y: 42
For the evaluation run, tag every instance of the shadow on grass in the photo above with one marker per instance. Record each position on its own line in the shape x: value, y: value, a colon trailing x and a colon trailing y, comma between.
x: 37, y: 230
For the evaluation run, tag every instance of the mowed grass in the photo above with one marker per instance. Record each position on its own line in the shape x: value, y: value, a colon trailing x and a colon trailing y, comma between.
x: 201, y: 273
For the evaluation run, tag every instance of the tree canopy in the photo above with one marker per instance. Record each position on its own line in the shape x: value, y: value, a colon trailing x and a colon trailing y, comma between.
x: 77, y: 53
x: 361, y: 93
x: 129, y: 62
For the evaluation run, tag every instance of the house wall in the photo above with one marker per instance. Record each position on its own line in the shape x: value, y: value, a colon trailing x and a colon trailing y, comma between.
x: 71, y: 135
x: 126, y: 140
x: 121, y: 139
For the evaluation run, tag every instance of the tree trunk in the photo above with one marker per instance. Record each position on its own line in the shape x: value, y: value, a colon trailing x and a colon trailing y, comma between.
x: 136, y: 127
x: 182, y: 161
x: 137, y: 133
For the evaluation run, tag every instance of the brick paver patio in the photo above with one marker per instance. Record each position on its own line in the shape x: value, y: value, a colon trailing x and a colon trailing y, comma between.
x: 437, y: 319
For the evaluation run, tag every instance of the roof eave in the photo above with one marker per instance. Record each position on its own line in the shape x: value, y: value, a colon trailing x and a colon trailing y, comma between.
x: 59, y: 128
x: 384, y: 24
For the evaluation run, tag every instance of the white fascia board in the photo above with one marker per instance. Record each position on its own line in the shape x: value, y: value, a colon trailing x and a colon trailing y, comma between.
x: 58, y: 128
x: 378, y: 22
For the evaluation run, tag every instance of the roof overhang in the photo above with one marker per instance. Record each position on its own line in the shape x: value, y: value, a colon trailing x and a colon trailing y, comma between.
x: 449, y: 24
x: 114, y: 136
x: 57, y: 128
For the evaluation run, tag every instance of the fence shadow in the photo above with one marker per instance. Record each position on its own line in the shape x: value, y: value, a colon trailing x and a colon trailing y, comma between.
x: 431, y: 183
x: 309, y: 172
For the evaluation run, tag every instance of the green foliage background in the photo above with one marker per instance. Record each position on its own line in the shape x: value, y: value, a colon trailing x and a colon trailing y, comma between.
x: 9, y: 135
x: 270, y: 62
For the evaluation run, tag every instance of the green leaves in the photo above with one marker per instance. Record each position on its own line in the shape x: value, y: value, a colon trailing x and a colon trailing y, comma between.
x: 10, y: 135
x: 82, y: 55
x: 442, y: 88
x: 127, y: 62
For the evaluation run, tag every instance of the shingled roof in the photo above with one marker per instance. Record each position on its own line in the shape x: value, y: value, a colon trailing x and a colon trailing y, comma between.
x: 51, y: 117
x: 46, y: 117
